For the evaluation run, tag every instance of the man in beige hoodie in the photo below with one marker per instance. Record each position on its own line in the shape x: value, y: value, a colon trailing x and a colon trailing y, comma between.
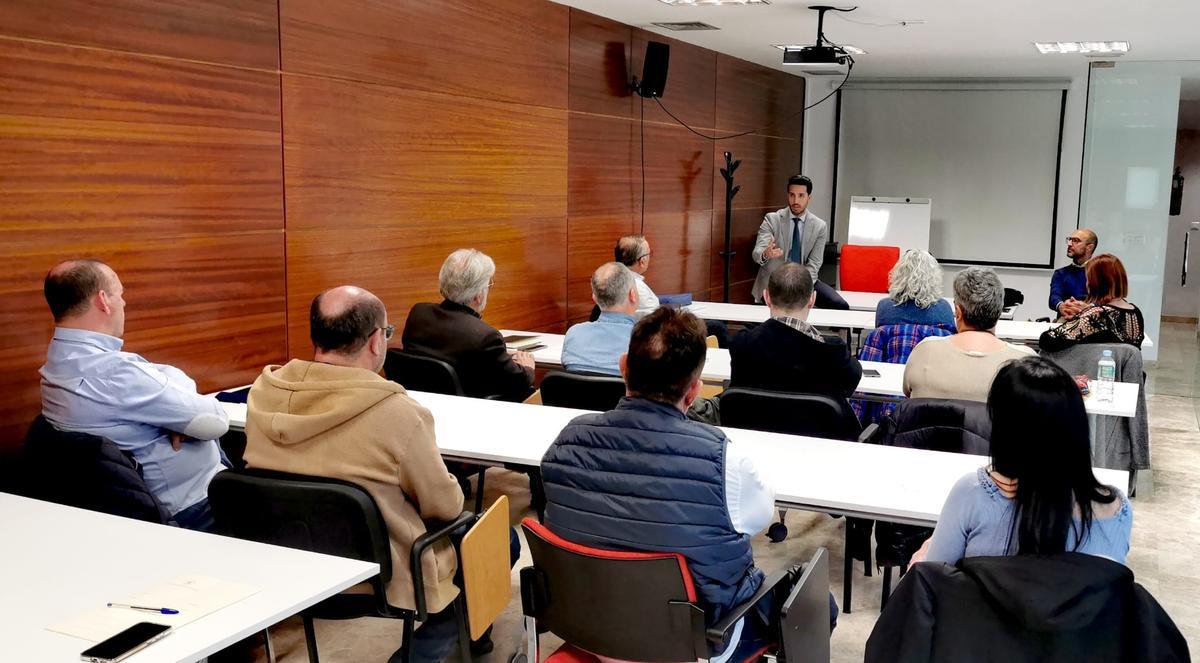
x: 337, y: 417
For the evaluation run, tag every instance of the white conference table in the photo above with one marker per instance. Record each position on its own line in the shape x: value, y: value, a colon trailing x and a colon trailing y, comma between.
x: 888, y: 386
x: 1025, y: 331
x: 60, y: 561
x: 898, y: 485
x: 868, y: 301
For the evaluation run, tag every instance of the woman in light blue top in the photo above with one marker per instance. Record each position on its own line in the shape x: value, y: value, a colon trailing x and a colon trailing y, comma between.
x: 1039, y: 495
x: 915, y: 293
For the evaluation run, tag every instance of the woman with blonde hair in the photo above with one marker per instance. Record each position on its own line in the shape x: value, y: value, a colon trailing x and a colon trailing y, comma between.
x: 915, y: 293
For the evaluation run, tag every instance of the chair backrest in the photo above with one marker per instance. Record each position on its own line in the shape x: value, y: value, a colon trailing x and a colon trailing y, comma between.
x: 584, y: 391
x: 804, y: 618
x: 866, y: 268
x: 83, y: 471
x: 939, y: 424
x: 310, y: 513
x: 1013, y: 297
x: 626, y: 605
x: 487, y: 579
x: 421, y: 373
x: 783, y: 412
x: 595, y: 314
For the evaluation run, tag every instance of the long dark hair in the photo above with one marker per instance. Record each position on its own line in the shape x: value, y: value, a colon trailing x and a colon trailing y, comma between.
x: 1040, y: 438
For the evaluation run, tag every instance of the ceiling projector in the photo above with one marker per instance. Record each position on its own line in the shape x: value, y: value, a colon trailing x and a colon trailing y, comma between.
x: 823, y: 58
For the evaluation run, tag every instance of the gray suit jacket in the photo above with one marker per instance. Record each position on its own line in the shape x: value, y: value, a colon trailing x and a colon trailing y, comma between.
x: 778, y: 224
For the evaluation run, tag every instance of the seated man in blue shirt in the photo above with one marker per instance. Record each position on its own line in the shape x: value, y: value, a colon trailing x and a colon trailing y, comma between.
x: 1068, y: 286
x: 149, y: 410
x: 596, y: 347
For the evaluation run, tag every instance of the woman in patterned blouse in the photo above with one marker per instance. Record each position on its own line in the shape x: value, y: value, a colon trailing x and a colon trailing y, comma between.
x: 1108, y: 318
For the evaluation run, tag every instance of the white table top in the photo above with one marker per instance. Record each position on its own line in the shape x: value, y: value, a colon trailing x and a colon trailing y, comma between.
x: 1025, y: 331
x: 886, y: 483
x: 60, y: 561
x: 868, y: 301
x: 889, y: 384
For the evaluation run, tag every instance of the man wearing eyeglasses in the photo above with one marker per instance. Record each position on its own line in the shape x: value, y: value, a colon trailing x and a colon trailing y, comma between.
x: 633, y: 251
x: 336, y: 417
x: 1068, y: 286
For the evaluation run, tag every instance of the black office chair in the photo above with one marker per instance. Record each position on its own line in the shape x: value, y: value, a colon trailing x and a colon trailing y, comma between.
x: 421, y: 372
x: 424, y: 373
x: 584, y: 391
x: 1013, y: 297
x: 936, y: 424
x: 814, y: 415
x: 595, y: 314
x: 326, y: 516
x: 643, y: 607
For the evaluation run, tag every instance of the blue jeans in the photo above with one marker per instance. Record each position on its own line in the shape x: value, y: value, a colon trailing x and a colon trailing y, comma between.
x: 197, y: 517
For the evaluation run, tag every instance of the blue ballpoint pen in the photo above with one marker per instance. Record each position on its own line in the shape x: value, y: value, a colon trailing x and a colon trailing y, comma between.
x: 164, y: 611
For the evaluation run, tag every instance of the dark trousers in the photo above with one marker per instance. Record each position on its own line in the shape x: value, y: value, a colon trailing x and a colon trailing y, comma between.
x: 827, y: 297
x: 432, y: 642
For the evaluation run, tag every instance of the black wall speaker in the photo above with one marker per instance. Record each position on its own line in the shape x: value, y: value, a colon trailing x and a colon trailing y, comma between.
x: 654, y: 69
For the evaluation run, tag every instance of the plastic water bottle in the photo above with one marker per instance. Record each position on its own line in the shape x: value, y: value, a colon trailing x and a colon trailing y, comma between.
x: 1106, y: 375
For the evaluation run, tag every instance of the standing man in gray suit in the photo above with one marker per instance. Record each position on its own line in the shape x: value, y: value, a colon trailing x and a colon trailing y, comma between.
x: 793, y: 234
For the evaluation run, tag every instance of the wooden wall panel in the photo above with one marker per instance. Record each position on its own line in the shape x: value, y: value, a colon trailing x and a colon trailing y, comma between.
x: 362, y: 155
x: 402, y: 269
x: 766, y: 165
x: 168, y: 170
x: 213, y: 306
x: 238, y: 32
x: 751, y: 97
x: 679, y: 245
x: 601, y: 66
x: 120, y: 144
x: 603, y: 199
x: 511, y: 50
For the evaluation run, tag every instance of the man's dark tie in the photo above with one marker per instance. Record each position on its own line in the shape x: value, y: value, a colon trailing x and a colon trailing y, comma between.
x: 794, y: 252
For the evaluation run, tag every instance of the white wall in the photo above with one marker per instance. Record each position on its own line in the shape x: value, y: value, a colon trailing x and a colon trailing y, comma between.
x: 819, y: 129
x: 816, y: 159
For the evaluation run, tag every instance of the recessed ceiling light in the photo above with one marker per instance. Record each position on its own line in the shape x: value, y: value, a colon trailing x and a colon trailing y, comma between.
x: 716, y: 2
x: 852, y: 50
x: 1085, y: 47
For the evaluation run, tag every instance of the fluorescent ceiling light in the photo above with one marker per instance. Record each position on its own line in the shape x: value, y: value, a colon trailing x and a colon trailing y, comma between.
x: 716, y: 2
x: 1085, y: 47
x: 852, y: 50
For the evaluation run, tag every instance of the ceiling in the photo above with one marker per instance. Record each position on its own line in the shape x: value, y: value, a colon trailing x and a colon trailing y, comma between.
x: 959, y: 39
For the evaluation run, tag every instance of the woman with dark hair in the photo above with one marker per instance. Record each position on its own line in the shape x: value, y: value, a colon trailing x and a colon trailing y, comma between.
x: 1107, y: 318
x: 1039, y: 495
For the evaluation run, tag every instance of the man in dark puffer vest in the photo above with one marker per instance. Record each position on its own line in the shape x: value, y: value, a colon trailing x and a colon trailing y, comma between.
x: 644, y: 477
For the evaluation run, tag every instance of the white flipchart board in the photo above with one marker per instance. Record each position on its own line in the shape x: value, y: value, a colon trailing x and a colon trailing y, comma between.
x: 879, y: 221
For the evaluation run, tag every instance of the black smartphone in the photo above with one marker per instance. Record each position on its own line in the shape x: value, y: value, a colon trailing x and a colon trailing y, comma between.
x: 870, y: 373
x: 126, y: 643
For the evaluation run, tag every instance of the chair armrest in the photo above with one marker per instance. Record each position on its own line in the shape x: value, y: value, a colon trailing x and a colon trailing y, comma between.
x: 435, y: 532
x: 718, y: 632
x: 869, y: 433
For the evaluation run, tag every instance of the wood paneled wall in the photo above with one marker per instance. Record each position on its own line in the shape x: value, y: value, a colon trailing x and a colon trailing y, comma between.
x: 232, y: 158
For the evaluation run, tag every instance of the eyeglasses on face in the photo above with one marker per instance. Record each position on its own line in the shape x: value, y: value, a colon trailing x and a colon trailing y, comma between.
x: 388, y: 331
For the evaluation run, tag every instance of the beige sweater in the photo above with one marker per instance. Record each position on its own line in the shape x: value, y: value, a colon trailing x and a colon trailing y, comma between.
x: 937, y: 369
x: 351, y: 424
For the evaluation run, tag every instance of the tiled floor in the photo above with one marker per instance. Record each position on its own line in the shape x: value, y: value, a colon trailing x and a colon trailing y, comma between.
x: 1166, y: 535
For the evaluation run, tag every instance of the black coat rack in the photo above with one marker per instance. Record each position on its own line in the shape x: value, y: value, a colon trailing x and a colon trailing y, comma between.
x: 730, y: 192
